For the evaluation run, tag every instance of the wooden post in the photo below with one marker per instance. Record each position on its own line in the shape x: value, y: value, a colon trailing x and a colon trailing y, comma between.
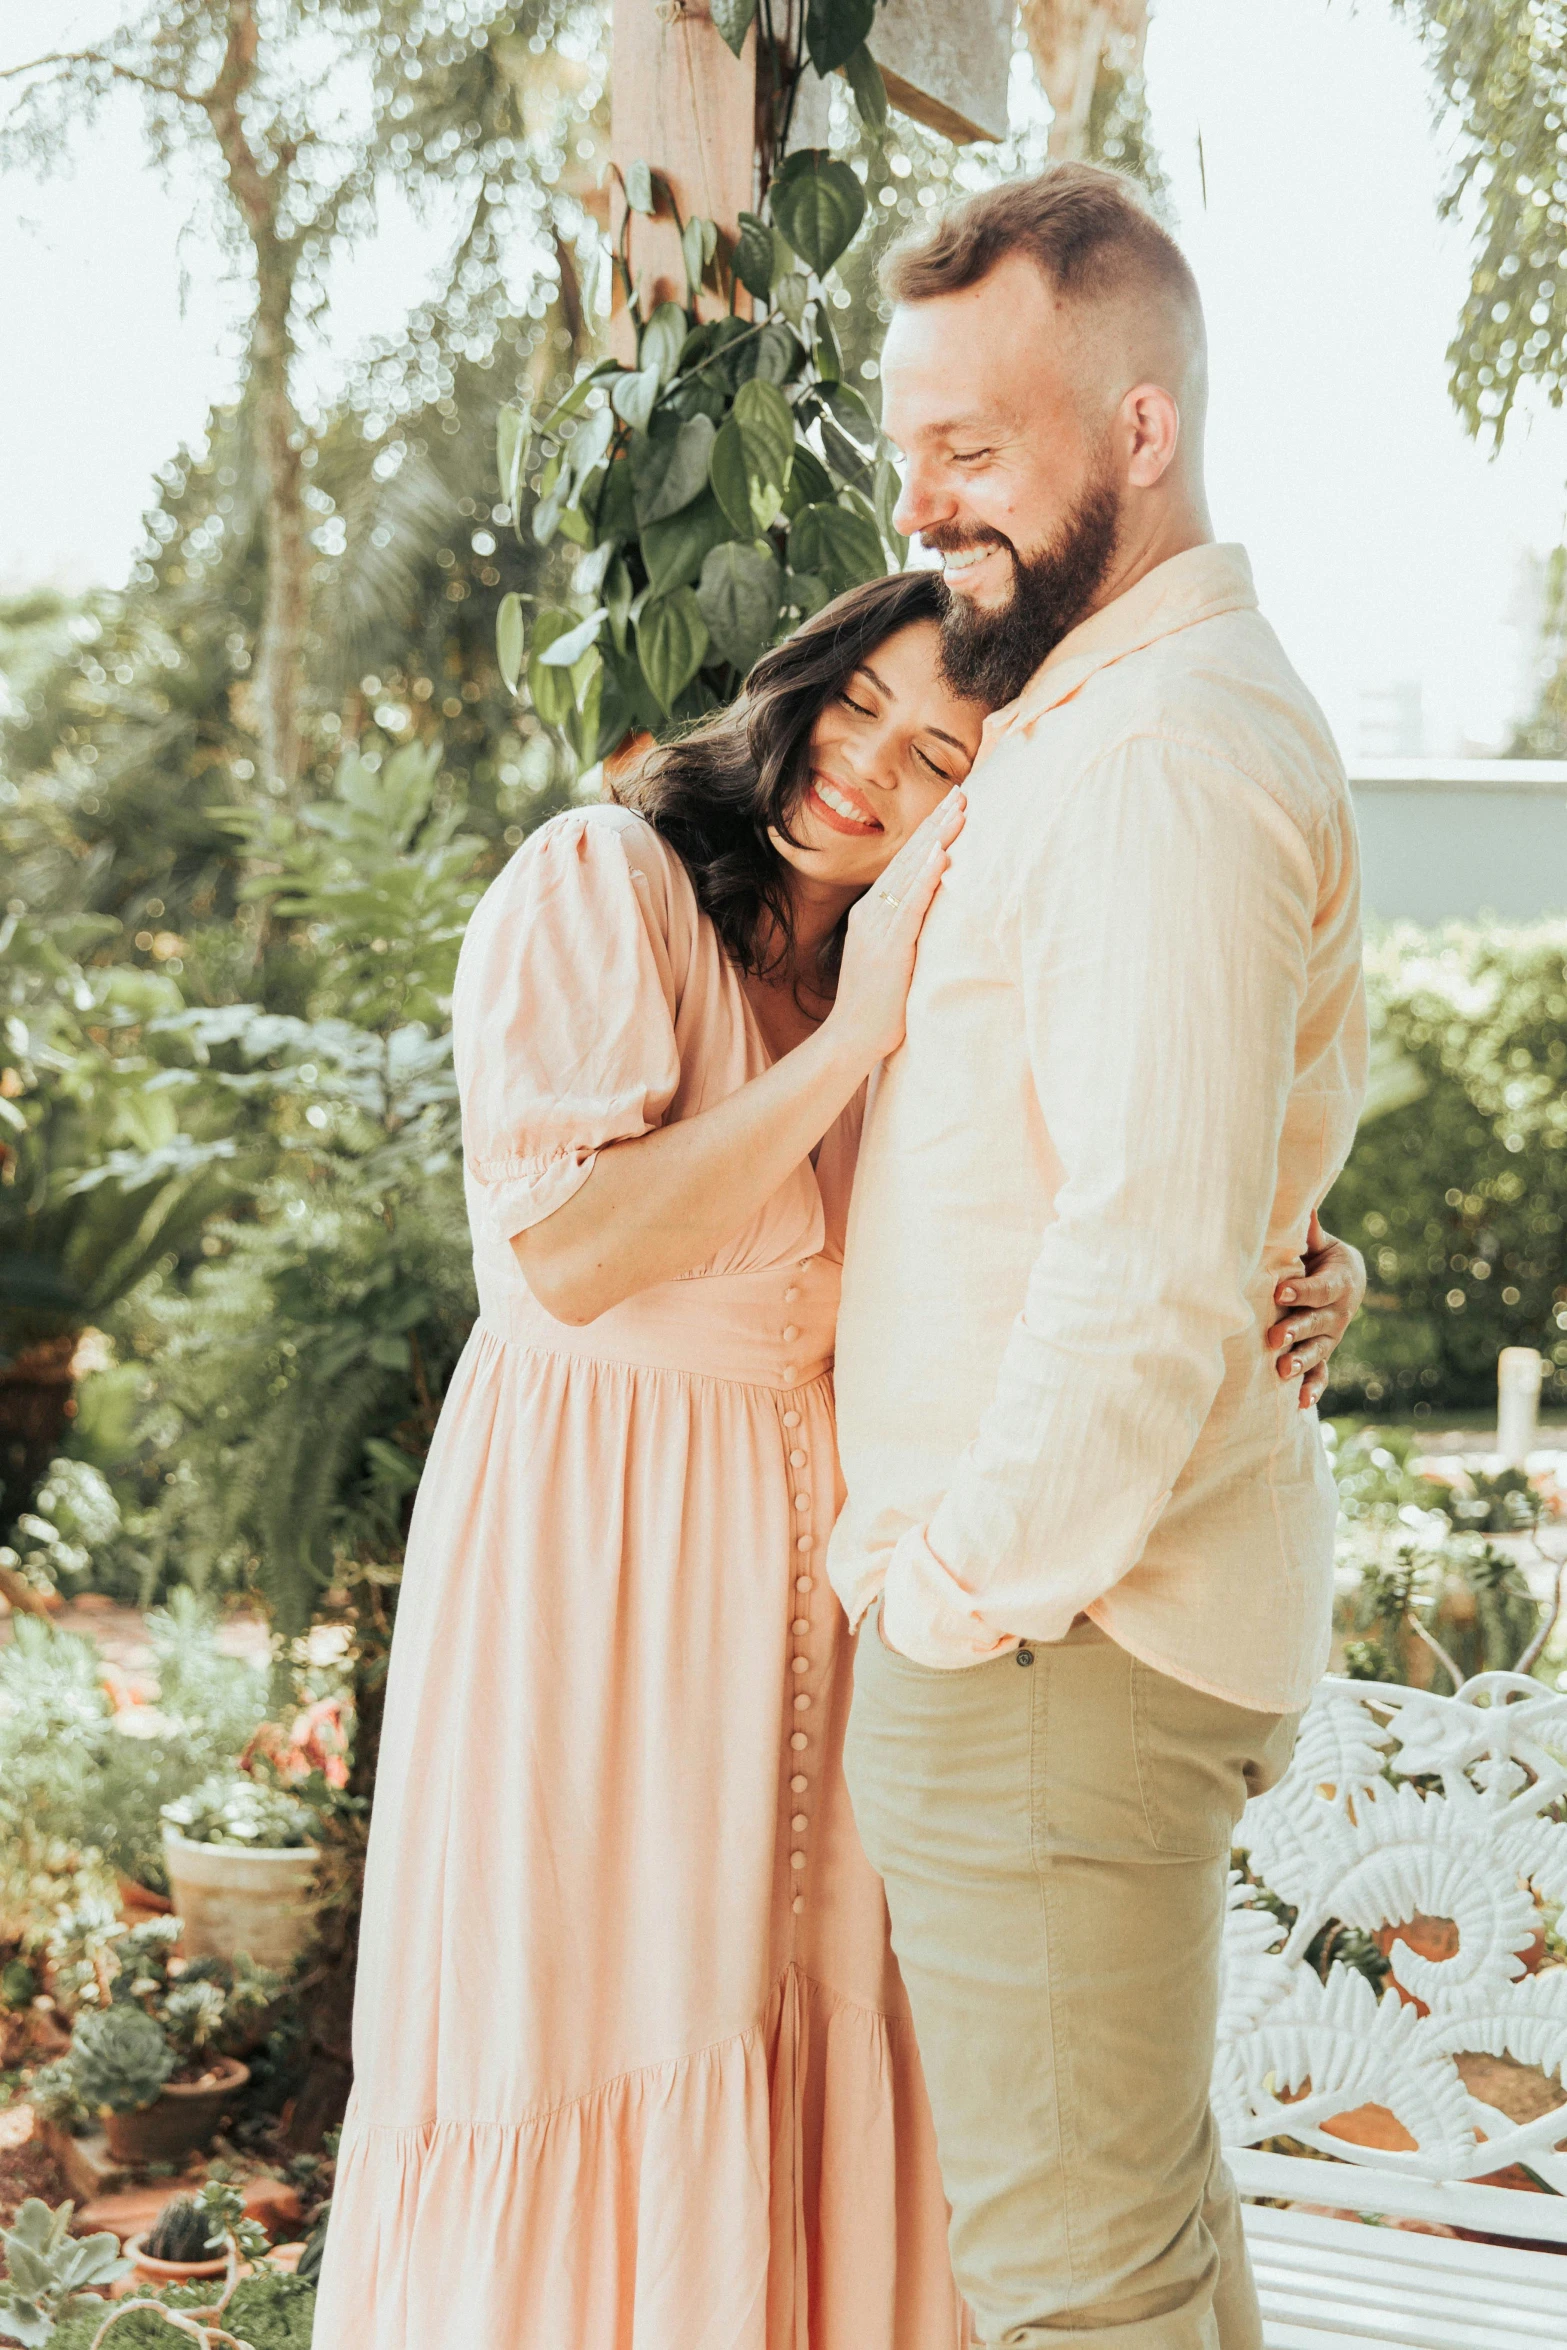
x: 680, y: 101
x: 1519, y: 1373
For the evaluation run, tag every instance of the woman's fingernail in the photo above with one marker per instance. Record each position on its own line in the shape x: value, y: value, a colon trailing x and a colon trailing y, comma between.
x: 1287, y: 1296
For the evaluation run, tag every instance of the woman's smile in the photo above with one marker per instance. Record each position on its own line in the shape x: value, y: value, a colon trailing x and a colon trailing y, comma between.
x: 841, y: 807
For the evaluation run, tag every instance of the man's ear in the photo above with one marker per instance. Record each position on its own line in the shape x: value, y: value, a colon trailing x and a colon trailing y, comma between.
x: 1151, y: 422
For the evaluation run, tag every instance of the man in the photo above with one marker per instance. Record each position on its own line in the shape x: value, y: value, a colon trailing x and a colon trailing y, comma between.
x: 1088, y: 1530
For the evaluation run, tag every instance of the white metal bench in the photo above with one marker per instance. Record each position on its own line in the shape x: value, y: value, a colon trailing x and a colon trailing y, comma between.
x: 1402, y: 1806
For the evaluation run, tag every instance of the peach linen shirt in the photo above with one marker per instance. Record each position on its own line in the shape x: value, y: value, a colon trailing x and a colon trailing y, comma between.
x: 1135, y: 1056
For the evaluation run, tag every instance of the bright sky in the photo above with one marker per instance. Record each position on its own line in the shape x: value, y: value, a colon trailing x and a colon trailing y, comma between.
x: 1389, y: 549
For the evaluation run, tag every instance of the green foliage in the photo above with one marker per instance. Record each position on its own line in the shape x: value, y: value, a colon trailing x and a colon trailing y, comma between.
x: 1502, y: 73
x: 727, y: 481
x: 381, y: 878
x: 51, y: 2275
x: 100, y: 1179
x: 268, y: 2311
x: 120, y: 2059
x: 1502, y: 70
x: 1459, y: 1198
x: 231, y: 1808
x: 74, y: 1520
x: 74, y: 1774
x: 298, y: 1373
x: 1413, y: 1557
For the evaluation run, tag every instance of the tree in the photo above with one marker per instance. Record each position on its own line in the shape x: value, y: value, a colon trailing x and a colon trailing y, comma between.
x: 1501, y: 71
x: 305, y: 118
x: 1090, y: 55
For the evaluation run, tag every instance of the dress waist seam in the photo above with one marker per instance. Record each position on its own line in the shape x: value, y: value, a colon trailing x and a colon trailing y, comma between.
x: 611, y: 1361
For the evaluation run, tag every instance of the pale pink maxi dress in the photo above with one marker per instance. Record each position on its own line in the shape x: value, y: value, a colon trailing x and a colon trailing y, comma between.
x: 634, y: 2067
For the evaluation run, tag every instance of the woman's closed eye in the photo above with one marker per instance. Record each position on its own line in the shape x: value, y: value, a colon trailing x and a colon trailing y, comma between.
x: 942, y: 774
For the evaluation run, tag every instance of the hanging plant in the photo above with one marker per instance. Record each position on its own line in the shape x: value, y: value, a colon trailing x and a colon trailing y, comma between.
x: 725, y: 482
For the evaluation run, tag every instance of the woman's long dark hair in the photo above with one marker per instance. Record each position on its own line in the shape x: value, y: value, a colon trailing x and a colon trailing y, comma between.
x: 716, y: 791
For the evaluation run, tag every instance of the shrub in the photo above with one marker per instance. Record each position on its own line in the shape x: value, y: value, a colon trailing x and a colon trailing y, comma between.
x: 1459, y: 1198
x: 76, y: 1773
x: 269, y: 2311
x: 1423, y: 1596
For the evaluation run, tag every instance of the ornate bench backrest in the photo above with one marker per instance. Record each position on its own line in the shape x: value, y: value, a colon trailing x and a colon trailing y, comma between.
x: 1400, y: 1805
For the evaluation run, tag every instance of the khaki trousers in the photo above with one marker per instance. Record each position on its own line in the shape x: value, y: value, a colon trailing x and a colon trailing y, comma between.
x: 1053, y: 1829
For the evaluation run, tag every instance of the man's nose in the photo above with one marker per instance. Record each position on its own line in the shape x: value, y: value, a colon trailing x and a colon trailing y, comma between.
x: 920, y: 506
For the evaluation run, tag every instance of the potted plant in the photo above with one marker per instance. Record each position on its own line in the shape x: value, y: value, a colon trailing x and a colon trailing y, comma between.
x: 179, y: 2247
x: 254, y: 2301
x: 242, y: 1866
x: 152, y: 2053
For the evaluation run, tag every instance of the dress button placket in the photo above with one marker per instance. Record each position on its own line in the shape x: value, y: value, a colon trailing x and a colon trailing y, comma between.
x: 799, y: 1630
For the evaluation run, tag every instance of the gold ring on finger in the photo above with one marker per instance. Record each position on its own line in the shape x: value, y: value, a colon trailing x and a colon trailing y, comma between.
x: 891, y: 900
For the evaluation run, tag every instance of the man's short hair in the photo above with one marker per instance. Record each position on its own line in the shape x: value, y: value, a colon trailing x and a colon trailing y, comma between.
x: 1086, y: 229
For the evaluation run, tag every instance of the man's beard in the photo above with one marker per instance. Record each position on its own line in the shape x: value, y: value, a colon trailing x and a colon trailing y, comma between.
x: 989, y: 656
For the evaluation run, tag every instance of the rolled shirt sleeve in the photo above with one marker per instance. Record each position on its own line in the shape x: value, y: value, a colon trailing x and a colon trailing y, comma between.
x: 1163, y: 932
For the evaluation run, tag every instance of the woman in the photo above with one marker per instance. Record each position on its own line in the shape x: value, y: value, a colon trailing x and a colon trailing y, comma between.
x: 634, y: 2069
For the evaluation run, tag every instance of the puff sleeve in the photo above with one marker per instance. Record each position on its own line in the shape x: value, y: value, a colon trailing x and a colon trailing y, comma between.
x: 564, y: 1012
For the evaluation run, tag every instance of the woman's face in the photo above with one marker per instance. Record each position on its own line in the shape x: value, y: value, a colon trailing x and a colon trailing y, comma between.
x: 893, y: 743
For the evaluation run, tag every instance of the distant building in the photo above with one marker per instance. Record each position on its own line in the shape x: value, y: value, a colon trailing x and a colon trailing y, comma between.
x: 1391, y: 723
x: 1456, y: 839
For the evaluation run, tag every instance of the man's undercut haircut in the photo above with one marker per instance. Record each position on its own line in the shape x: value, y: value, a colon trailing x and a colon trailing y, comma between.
x: 1087, y: 230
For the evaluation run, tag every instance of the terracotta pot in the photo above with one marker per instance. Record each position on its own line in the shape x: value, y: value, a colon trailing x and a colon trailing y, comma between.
x: 181, y: 2120
x: 172, y: 2272
x: 140, y: 1901
x: 232, y: 1898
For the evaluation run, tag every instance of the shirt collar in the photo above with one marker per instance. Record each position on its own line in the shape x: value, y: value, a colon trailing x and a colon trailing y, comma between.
x: 1195, y: 585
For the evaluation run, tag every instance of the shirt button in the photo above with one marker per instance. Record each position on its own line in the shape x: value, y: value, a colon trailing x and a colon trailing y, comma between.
x: 798, y: 1903
x: 803, y: 1541
x: 800, y: 1626
x: 802, y: 1704
x: 790, y: 1334
x: 799, y: 1823
x: 800, y: 1664
x: 799, y: 1741
x: 791, y: 1419
x: 802, y: 1582
x: 802, y: 1501
x: 797, y: 1860
x: 797, y: 1459
x: 790, y: 1295
x: 798, y: 1783
x: 790, y: 1371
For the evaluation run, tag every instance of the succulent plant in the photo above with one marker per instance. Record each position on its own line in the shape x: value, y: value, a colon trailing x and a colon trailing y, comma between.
x: 232, y: 1808
x: 182, y: 2232
x: 120, y: 2059
x: 47, y: 2271
x: 53, y: 2094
